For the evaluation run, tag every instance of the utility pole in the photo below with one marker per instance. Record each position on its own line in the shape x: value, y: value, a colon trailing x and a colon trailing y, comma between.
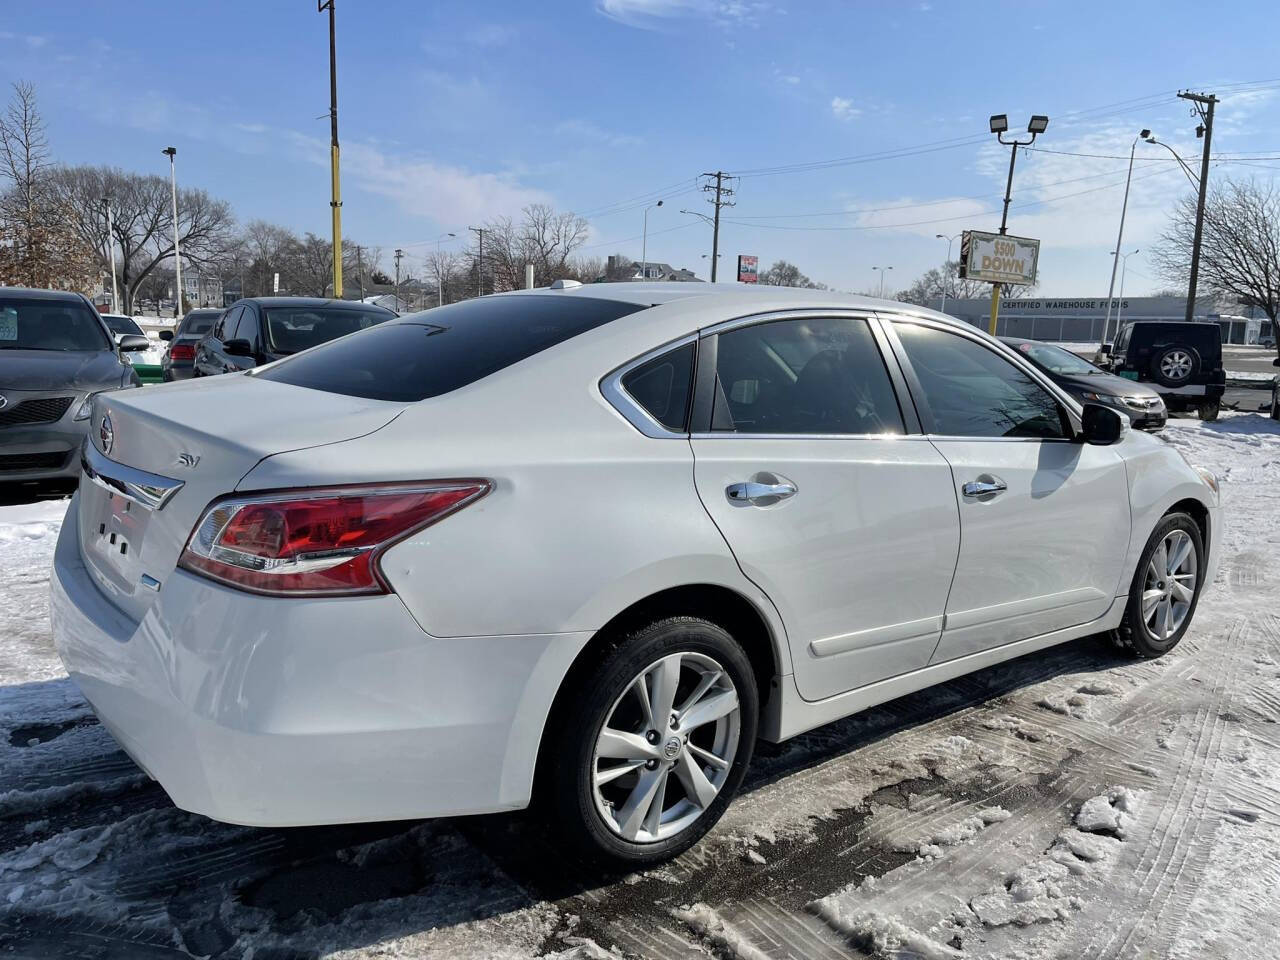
x: 722, y: 194
x: 335, y: 201
x: 172, y: 152
x: 399, y: 254
x: 360, y: 269
x: 111, y: 257
x: 480, y: 231
x: 1203, y: 105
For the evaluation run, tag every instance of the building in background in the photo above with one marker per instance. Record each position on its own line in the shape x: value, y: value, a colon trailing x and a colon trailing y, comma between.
x: 1080, y: 320
x: 201, y: 290
x: 652, y: 270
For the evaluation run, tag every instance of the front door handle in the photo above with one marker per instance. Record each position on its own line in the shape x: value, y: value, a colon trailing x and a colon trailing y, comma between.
x: 761, y: 494
x: 985, y: 486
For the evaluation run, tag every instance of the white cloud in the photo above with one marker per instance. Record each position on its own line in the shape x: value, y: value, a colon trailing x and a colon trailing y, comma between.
x: 586, y: 130
x: 492, y: 34
x: 919, y: 218
x: 843, y: 109
x: 650, y: 14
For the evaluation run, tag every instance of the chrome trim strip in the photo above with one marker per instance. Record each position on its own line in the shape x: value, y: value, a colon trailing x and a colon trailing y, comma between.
x: 733, y: 435
x: 613, y: 391
x: 815, y: 313
x: 149, y: 490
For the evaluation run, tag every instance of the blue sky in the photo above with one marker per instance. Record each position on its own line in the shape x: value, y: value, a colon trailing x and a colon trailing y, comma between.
x: 454, y: 112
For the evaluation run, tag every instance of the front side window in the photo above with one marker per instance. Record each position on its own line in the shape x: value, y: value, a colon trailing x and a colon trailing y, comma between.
x: 974, y: 392
x: 1056, y: 360
x: 819, y: 375
x: 662, y: 386
x: 293, y: 329
x: 54, y: 325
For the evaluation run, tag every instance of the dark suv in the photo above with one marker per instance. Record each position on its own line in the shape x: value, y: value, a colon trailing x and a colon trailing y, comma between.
x: 1182, y: 362
x: 258, y: 330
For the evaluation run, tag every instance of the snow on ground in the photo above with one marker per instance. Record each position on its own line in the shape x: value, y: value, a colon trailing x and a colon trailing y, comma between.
x: 1073, y: 803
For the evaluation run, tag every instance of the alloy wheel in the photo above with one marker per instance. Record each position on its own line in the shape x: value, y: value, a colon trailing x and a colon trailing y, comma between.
x: 1176, y: 364
x: 1170, y: 586
x: 666, y: 747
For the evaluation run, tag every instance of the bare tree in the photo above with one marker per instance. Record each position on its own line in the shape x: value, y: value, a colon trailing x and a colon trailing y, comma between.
x: 143, y: 219
x: 1240, y: 245
x: 543, y: 238
x: 930, y: 285
x: 785, y: 274
x: 37, y: 248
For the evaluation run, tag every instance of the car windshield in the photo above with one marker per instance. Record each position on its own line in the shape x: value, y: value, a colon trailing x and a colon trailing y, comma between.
x: 39, y: 324
x: 1057, y: 360
x: 119, y: 324
x: 292, y: 329
x: 200, y: 323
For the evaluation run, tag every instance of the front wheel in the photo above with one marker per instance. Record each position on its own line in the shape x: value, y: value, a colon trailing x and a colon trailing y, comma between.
x: 1165, y: 590
x: 652, y: 742
x: 1209, y: 410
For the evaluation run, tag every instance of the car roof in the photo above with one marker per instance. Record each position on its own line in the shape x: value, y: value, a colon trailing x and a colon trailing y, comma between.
x: 66, y: 296
x: 307, y: 302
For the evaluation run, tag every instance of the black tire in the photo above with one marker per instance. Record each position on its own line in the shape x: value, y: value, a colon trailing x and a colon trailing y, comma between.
x: 1133, y: 634
x: 1275, y: 402
x: 1175, y: 365
x: 593, y: 692
x: 1209, y: 410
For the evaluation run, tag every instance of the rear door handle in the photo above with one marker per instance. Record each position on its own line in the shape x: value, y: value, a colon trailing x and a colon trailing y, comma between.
x: 751, y: 491
x: 985, y: 486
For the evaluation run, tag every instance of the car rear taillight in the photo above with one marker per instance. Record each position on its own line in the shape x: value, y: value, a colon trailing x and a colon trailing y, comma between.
x: 317, y: 542
x: 182, y: 351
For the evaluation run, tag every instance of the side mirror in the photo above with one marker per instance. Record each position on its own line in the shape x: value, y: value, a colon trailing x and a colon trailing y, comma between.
x: 166, y: 335
x: 238, y: 348
x: 1101, y: 425
x: 132, y: 343
x: 1276, y: 362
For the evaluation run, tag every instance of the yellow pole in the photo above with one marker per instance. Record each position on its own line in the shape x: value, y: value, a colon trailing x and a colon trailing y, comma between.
x: 337, y: 229
x: 995, y: 307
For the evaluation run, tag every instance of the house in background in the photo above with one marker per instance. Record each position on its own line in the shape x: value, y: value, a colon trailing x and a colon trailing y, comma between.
x: 624, y: 269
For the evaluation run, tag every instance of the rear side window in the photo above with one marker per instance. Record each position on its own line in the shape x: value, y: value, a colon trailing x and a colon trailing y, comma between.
x: 198, y: 323
x: 437, y: 351
x: 662, y: 386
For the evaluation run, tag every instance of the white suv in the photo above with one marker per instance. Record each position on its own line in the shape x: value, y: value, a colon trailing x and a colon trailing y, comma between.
x: 590, y: 544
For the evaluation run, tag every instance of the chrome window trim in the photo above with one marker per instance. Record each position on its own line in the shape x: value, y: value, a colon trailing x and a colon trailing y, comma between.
x: 815, y: 313
x: 731, y: 435
x: 612, y: 390
x: 149, y: 490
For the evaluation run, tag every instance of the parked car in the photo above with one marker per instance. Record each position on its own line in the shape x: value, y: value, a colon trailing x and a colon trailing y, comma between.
x: 122, y: 326
x: 56, y: 353
x: 259, y: 330
x: 1182, y: 360
x: 179, y: 359
x: 590, y: 543
x: 1090, y: 384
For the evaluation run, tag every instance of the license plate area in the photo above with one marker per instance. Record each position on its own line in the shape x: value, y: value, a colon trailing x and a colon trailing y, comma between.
x: 113, y: 535
x: 1129, y: 374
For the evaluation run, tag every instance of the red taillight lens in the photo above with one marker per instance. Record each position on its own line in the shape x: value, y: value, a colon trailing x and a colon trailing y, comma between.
x: 317, y: 542
x: 182, y: 351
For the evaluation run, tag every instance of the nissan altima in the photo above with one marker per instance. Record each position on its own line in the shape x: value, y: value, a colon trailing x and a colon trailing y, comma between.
x: 586, y: 545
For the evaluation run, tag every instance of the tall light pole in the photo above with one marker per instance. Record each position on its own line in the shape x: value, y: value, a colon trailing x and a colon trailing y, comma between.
x: 399, y: 254
x: 335, y: 201
x: 1124, y: 206
x: 999, y: 124
x: 644, y: 242
x: 1124, y: 257
x: 439, y: 272
x: 882, y: 270
x: 111, y: 256
x: 172, y: 152
x: 946, y: 267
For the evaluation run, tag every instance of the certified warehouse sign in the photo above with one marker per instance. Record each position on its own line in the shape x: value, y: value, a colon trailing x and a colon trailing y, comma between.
x: 998, y: 259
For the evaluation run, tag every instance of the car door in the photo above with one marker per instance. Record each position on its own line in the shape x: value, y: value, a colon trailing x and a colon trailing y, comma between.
x: 210, y: 357
x: 249, y: 329
x: 831, y: 500
x: 1044, y: 520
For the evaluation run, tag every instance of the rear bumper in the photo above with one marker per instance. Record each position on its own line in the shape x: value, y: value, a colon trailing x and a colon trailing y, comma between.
x: 43, y: 451
x: 270, y: 712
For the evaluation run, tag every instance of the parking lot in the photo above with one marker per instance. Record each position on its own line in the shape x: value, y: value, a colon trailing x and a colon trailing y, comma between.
x: 1070, y: 803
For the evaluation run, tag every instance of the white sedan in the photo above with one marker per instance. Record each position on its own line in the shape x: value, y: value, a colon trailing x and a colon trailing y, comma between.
x: 587, y: 544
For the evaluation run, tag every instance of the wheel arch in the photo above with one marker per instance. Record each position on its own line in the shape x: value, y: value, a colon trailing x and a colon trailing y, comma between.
x: 1199, y: 513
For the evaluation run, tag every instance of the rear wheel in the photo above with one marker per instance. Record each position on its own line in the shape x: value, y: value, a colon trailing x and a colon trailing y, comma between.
x: 1175, y: 366
x: 651, y: 743
x: 1165, y: 590
x: 1209, y: 409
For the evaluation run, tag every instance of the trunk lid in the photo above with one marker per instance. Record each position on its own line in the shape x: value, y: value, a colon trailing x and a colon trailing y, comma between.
x: 206, y: 434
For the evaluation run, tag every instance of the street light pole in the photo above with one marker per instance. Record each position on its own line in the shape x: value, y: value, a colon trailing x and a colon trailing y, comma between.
x: 1115, y: 259
x: 999, y: 123
x: 172, y: 152
x: 1124, y: 257
x: 335, y: 201
x: 399, y: 254
x: 644, y: 242
x: 439, y: 272
x: 882, y: 270
x: 946, y: 267
x: 111, y: 257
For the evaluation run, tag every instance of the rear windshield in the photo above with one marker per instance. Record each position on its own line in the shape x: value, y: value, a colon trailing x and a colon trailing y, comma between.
x: 434, y: 352
x: 1056, y: 360
x: 199, y: 322
x: 122, y: 325
x: 49, y: 325
x: 293, y: 329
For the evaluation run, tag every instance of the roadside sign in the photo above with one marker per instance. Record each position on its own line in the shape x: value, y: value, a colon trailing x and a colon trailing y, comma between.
x: 998, y: 259
x: 748, y: 269
x: 275, y: 283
